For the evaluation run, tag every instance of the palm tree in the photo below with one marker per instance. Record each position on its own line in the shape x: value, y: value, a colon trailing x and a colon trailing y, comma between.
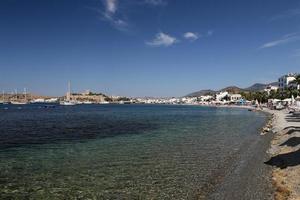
x: 296, y: 81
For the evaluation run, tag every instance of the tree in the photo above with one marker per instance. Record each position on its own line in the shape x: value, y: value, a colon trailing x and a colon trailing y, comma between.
x: 296, y: 81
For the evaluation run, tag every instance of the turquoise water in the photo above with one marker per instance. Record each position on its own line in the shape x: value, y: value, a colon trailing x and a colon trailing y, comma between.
x: 120, y: 151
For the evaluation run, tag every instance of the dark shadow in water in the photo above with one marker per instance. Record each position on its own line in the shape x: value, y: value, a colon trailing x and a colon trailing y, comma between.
x: 44, y: 132
x: 292, y: 142
x: 285, y: 160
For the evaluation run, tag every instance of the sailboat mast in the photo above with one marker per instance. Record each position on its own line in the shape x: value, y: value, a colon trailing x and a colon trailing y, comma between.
x: 69, y: 91
x: 25, y: 94
x: 69, y: 87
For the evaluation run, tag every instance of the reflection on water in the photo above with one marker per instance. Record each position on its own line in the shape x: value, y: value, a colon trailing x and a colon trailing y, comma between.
x: 119, y: 151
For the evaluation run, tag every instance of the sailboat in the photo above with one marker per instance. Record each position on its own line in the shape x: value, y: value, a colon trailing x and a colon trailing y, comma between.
x: 68, y: 101
x: 3, y: 99
x: 20, y: 102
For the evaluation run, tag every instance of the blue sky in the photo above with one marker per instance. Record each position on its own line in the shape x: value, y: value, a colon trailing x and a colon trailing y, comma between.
x: 146, y: 47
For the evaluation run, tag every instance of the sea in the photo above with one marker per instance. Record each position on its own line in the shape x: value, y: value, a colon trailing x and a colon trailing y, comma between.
x: 132, y: 152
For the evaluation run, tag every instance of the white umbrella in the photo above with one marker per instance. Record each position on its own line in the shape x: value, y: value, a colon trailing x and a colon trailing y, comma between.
x: 293, y: 100
x: 287, y: 100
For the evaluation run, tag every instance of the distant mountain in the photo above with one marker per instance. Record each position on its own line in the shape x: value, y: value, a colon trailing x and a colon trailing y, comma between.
x: 202, y: 93
x: 259, y: 86
x: 233, y: 89
x: 230, y: 89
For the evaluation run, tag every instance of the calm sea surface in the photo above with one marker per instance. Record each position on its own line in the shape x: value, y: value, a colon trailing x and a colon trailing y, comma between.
x: 120, y: 151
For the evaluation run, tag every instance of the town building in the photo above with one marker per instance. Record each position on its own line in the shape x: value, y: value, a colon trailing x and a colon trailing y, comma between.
x: 206, y: 98
x: 235, y: 97
x: 270, y: 88
x: 222, y: 95
x: 86, y: 97
x: 286, y: 81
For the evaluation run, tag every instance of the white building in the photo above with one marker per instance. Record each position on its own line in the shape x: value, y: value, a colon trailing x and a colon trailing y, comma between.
x: 189, y: 100
x: 235, y: 97
x: 38, y: 100
x: 51, y: 100
x: 206, y: 98
x: 221, y: 96
x: 270, y: 88
x: 285, y: 81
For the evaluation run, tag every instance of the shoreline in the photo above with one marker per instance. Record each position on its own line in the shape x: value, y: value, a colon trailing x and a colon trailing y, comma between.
x: 249, y: 175
x: 285, y: 155
x: 232, y: 165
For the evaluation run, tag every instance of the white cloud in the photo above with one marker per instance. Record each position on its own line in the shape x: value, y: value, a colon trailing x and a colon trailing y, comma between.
x: 111, y: 6
x: 110, y: 14
x: 162, y: 39
x: 116, y: 22
x: 287, y: 14
x: 114, y: 11
x: 284, y: 40
x: 191, y: 36
x: 156, y: 2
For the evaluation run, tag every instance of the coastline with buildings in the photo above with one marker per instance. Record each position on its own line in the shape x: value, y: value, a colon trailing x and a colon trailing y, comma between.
x: 282, y: 93
x: 150, y: 99
x: 281, y: 99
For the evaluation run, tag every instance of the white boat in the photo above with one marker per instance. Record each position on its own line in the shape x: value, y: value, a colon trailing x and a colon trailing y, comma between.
x: 23, y: 102
x: 18, y: 103
x: 104, y: 102
x: 87, y: 102
x: 67, y: 103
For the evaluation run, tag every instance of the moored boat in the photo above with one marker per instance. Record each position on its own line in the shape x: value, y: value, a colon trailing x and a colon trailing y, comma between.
x: 18, y: 103
x: 67, y: 103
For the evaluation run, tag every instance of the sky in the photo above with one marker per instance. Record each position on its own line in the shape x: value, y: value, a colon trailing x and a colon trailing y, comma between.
x: 159, y: 48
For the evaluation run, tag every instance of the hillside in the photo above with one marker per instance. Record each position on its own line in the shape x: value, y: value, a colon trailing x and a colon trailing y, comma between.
x: 260, y: 86
x: 201, y: 93
x: 233, y: 89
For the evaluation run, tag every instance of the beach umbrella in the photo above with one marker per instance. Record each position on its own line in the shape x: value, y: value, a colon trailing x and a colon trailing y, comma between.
x: 293, y: 100
x: 287, y: 100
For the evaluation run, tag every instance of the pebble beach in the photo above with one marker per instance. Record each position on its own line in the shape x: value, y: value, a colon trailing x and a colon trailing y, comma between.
x: 285, y: 155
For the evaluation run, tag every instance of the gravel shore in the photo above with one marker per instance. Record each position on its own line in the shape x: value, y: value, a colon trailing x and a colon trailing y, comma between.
x: 249, y: 178
x: 285, y: 152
